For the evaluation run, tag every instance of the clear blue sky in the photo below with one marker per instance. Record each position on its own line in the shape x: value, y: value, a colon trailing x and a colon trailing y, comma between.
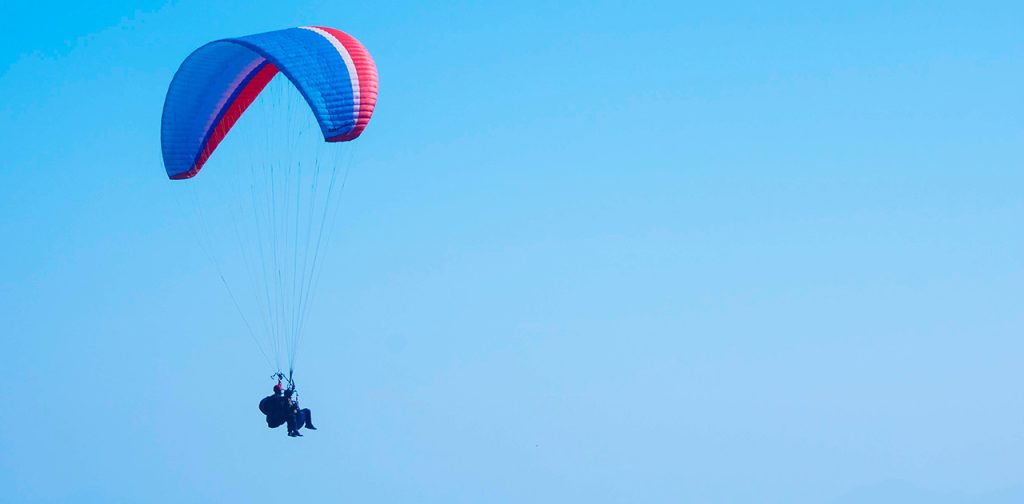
x: 590, y: 252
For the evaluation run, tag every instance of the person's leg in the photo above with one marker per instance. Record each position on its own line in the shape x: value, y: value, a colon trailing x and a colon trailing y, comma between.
x: 308, y: 416
x: 292, y: 424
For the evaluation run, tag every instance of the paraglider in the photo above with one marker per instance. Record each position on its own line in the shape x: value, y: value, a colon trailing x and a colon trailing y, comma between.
x: 283, y: 408
x: 287, y: 192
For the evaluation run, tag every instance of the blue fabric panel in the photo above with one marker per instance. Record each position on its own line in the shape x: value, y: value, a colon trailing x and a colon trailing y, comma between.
x: 316, y: 69
x: 200, y: 89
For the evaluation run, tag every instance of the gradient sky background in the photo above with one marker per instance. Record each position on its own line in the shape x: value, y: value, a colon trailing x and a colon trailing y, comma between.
x: 589, y: 252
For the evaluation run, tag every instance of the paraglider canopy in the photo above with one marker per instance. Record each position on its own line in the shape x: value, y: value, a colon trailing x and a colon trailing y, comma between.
x: 217, y: 83
x: 273, y: 210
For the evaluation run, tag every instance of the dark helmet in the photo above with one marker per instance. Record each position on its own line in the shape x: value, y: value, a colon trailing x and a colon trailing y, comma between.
x: 277, y: 388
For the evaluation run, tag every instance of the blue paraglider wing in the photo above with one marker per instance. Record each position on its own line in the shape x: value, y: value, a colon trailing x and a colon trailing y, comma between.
x: 217, y: 83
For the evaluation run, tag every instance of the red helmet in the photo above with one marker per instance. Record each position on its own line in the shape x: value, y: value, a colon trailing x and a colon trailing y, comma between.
x: 277, y: 388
